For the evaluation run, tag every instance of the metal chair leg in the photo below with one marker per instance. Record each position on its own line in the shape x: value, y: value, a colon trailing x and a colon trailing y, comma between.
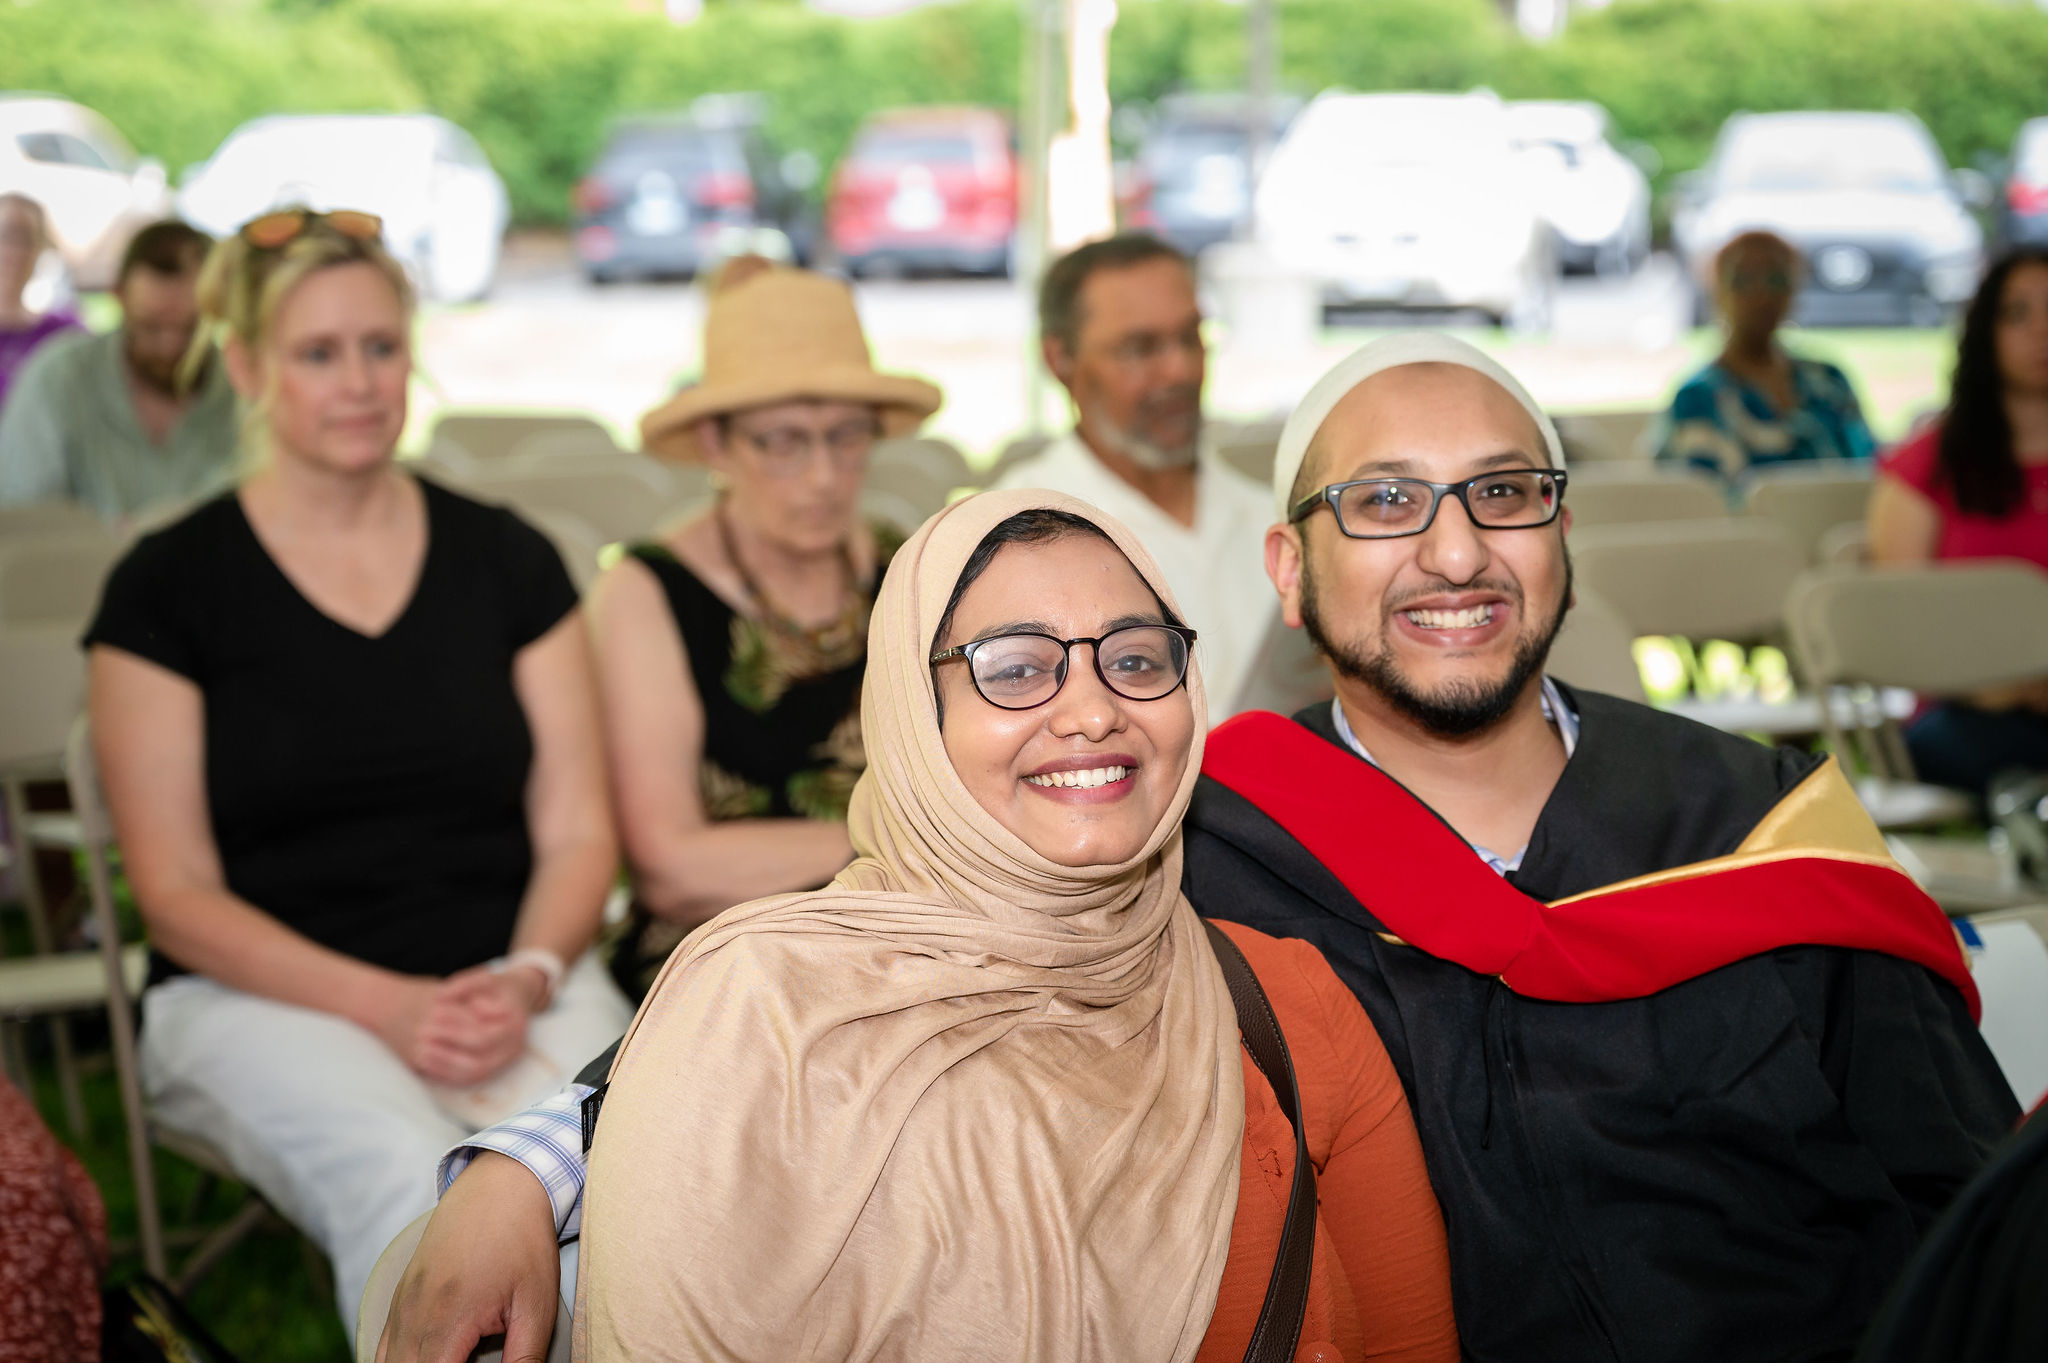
x: 149, y: 1224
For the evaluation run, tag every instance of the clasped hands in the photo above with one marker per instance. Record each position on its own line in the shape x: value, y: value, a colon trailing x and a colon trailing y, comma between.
x: 464, y: 1029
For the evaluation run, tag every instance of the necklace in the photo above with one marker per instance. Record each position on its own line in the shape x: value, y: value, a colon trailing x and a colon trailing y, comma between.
x: 835, y: 637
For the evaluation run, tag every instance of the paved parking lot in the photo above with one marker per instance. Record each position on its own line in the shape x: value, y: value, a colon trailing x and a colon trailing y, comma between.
x: 546, y: 338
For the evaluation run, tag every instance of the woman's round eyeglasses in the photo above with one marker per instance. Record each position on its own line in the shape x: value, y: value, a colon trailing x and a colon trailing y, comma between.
x: 1387, y: 508
x: 1022, y: 671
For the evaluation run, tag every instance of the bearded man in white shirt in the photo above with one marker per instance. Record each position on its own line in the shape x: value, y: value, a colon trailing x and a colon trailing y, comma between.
x: 1122, y: 331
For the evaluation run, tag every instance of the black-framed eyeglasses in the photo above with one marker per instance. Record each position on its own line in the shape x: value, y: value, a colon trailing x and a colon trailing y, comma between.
x: 1022, y: 671
x: 1388, y: 508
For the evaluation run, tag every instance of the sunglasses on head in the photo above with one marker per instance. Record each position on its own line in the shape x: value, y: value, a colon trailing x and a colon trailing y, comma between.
x: 273, y: 230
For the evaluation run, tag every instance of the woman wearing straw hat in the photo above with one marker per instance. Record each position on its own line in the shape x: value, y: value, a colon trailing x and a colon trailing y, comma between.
x: 730, y: 650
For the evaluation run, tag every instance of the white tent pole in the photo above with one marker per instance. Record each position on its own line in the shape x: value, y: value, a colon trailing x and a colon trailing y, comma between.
x: 1043, y: 90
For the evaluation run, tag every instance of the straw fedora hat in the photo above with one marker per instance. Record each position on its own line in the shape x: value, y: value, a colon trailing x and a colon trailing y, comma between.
x: 775, y: 335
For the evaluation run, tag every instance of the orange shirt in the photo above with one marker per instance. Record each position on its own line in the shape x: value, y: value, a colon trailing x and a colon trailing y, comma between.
x: 1381, y: 1283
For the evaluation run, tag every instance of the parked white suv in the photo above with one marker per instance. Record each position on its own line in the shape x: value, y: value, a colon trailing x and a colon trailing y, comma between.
x: 92, y: 186
x: 444, y: 208
x: 1410, y: 200
x: 1594, y: 196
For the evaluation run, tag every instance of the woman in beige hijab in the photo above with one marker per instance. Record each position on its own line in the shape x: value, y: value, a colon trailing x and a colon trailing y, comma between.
x: 983, y: 1096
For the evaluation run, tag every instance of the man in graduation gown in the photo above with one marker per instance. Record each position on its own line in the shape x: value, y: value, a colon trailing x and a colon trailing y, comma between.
x: 1694, y: 1063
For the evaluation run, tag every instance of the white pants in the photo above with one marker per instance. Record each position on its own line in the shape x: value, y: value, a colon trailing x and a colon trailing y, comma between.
x: 325, y: 1120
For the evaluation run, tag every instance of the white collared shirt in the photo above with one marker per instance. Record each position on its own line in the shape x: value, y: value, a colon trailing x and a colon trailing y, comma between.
x: 1216, y: 568
x: 1554, y: 709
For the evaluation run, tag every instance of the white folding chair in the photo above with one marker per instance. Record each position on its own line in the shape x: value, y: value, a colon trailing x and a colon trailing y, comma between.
x: 1015, y: 451
x: 89, y: 830
x: 1601, y: 494
x: 489, y: 436
x: 938, y: 461
x: 42, y: 687
x: 55, y: 578
x: 1948, y: 629
x: 1724, y: 578
x: 905, y: 510
x: 1844, y: 546
x: 1249, y: 447
x: 46, y: 518
x: 1810, y: 500
x: 1607, y: 437
x: 1595, y: 649
x: 622, y: 502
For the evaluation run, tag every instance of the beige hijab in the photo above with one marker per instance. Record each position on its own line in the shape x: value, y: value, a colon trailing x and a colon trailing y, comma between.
x: 961, y: 1104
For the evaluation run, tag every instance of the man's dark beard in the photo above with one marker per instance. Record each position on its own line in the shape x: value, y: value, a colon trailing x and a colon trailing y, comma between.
x: 162, y: 378
x: 1457, y: 711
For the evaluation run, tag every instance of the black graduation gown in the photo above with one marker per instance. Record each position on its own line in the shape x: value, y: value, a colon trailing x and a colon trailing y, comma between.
x: 1733, y: 1168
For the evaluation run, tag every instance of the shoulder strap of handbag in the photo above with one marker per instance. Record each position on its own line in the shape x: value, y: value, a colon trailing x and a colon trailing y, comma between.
x: 1279, y: 1328
x: 1279, y: 1325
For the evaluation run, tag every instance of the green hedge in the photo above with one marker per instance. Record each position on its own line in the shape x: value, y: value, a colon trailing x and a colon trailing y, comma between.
x: 538, y: 80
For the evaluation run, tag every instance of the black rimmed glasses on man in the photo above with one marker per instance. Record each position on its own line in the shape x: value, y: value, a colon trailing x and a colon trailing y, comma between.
x: 1388, y: 508
x: 1024, y: 670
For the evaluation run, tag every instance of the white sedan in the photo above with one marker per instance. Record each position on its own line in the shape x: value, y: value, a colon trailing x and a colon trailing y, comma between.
x: 1410, y: 200
x: 444, y: 207
x: 93, y: 188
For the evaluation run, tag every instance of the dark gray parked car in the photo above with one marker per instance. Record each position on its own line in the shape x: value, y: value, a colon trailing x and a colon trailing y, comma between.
x: 673, y: 194
x: 1191, y: 181
x: 1885, y: 226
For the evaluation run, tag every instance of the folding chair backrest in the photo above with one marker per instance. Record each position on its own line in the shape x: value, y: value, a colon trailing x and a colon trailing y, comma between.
x: 1617, y: 437
x: 619, y: 503
x: 46, y: 518
x: 1596, y: 649
x: 1944, y: 629
x: 1704, y: 579
x: 54, y: 579
x: 552, y: 461
x: 938, y: 461
x: 1807, y: 501
x: 1286, y: 674
x: 1016, y: 451
x: 1844, y: 546
x: 42, y: 689
x: 879, y: 501
x: 1610, y: 495
x: 579, y: 441
x: 494, y: 435
x: 906, y: 486
x: 1251, y: 451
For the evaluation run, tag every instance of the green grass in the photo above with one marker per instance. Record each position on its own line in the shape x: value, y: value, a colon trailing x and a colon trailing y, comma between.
x: 271, y: 1300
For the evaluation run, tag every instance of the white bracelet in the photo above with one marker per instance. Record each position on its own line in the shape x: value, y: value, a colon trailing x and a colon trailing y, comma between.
x: 550, y: 966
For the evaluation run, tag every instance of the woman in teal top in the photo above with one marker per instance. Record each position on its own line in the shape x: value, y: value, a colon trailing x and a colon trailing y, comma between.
x: 1757, y: 405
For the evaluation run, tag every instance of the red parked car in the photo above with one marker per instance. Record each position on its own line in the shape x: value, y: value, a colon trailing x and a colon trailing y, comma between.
x: 926, y: 189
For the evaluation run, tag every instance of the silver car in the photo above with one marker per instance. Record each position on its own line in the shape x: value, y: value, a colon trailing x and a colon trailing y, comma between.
x: 1884, y: 225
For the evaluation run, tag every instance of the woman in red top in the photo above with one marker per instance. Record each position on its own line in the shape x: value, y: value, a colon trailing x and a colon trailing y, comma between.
x: 1975, y: 485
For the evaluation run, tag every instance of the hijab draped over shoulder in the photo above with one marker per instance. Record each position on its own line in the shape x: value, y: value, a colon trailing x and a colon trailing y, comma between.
x: 962, y: 1103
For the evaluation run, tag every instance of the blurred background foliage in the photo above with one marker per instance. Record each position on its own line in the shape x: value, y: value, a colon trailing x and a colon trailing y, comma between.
x: 537, y: 81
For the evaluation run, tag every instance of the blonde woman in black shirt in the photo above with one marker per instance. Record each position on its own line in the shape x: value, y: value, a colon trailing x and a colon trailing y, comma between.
x: 349, y: 735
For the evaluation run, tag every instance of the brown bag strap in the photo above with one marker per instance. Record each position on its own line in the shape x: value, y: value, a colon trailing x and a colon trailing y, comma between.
x: 1279, y: 1329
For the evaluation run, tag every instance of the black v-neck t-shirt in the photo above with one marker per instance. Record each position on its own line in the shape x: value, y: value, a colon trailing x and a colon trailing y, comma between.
x: 367, y: 792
